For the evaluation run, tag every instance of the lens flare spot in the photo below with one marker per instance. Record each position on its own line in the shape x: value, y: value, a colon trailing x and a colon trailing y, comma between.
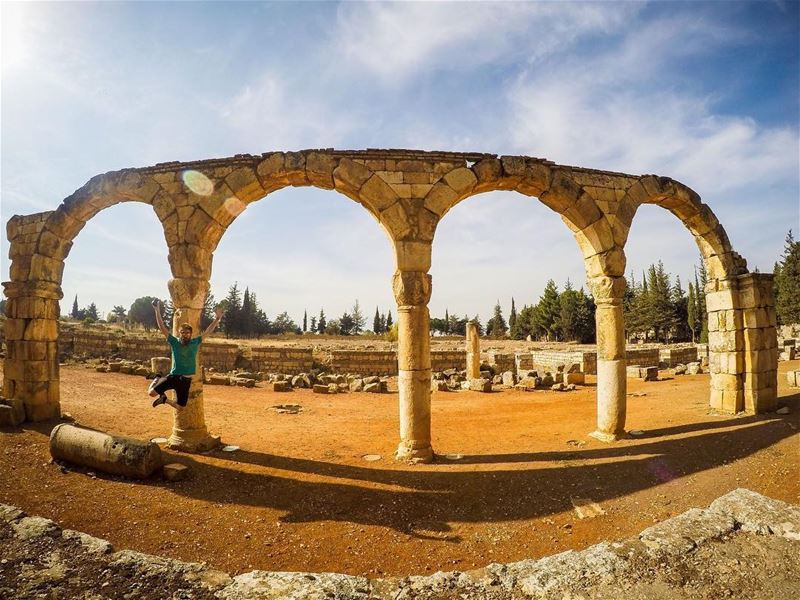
x: 198, y: 183
x: 234, y: 206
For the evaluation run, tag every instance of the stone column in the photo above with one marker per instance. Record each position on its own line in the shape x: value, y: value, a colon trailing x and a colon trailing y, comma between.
x: 760, y: 336
x: 31, y: 330
x: 189, y: 432
x: 611, y: 375
x: 473, y: 352
x: 725, y: 345
x: 412, y: 291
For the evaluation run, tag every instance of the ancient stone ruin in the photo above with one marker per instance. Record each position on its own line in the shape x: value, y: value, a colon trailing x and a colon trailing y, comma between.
x: 408, y: 193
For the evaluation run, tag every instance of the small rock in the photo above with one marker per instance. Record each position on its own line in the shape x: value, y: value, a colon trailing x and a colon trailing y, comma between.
x: 281, y: 386
x: 175, y: 472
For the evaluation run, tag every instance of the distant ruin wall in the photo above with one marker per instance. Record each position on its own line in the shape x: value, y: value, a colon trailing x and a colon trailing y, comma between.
x: 291, y: 361
x: 677, y: 356
x: 550, y: 359
x: 442, y: 360
x: 364, y: 362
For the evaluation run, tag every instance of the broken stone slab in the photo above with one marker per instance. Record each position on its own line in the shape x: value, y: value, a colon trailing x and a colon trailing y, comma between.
x: 439, y: 386
x: 147, y: 565
x: 547, y: 380
x: 685, y: 532
x: 175, y: 472
x: 99, y: 450
x: 243, y: 382
x: 509, y: 378
x: 480, y: 385
x: 89, y: 543
x: 217, y: 379
x: 643, y: 373
x: 306, y: 586
x: 320, y: 388
x: 9, y: 513
x: 760, y: 514
x: 357, y: 385
x: 281, y: 386
x: 679, y: 369
x: 301, y: 381
x: 373, y: 388
x: 28, y: 528
x: 528, y: 384
x: 575, y: 378
x: 693, y: 368
x: 541, y: 578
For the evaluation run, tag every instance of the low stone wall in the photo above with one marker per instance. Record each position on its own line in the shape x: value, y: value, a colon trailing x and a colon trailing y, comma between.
x: 677, y: 356
x: 503, y: 361
x: 291, y: 361
x: 89, y: 343
x: 550, y: 359
x: 644, y: 357
x: 219, y: 355
x: 364, y: 362
x: 139, y: 347
x: 441, y: 360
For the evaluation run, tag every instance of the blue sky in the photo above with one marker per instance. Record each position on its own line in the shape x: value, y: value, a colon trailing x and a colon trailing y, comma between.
x: 706, y: 93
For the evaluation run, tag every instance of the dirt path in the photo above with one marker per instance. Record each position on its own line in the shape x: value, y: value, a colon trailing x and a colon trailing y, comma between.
x: 300, y: 497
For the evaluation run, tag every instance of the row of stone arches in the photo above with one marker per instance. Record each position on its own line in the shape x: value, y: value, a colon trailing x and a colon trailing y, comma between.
x: 408, y: 193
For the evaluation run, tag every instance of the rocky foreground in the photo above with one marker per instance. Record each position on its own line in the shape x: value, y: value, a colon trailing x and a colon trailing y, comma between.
x: 744, y: 545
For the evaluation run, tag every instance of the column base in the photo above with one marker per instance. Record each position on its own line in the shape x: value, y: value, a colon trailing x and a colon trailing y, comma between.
x: 607, y: 438
x: 193, y: 441
x: 408, y: 453
x: 42, y: 412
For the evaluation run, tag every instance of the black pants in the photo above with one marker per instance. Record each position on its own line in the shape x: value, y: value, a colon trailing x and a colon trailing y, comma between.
x: 179, y: 383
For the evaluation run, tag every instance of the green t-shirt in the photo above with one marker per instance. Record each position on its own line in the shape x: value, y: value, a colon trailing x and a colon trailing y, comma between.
x: 184, y: 358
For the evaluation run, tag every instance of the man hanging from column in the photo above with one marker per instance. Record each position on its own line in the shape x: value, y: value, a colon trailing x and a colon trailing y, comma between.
x: 184, y: 359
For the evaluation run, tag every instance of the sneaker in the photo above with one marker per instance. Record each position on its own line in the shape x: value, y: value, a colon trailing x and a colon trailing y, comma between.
x: 153, y: 383
x: 162, y: 399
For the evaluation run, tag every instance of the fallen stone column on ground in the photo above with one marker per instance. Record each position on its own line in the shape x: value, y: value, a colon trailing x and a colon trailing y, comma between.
x: 98, y: 450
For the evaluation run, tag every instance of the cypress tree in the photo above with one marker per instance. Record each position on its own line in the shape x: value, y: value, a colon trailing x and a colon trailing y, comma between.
x: 701, y: 303
x: 691, y: 311
x: 305, y: 321
x: 321, y: 322
x: 787, y: 283
x: 512, y: 318
x: 446, y: 322
x: 389, y: 321
x: 496, y: 326
x: 376, y: 322
x: 75, y: 310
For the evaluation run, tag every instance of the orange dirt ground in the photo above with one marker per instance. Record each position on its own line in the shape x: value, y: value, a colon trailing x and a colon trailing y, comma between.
x: 299, y: 496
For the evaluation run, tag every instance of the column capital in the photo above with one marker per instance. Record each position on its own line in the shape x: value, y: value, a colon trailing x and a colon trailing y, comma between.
x: 607, y: 290
x: 411, y: 288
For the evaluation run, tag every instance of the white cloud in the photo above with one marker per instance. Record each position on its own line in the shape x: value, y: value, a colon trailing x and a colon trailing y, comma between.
x: 395, y: 41
x: 278, y: 113
x: 620, y: 111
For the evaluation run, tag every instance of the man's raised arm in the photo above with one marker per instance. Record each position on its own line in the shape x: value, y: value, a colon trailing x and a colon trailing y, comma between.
x: 159, y: 320
x: 218, y: 312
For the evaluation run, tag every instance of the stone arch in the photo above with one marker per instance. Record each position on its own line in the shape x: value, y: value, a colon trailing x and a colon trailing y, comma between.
x: 741, y: 318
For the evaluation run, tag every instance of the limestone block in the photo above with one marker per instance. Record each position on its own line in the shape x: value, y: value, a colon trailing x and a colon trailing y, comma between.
x: 724, y: 341
x: 513, y: 168
x: 703, y: 222
x: 42, y: 330
x: 188, y: 292
x: 377, y: 194
x: 12, y: 412
x: 563, y: 192
x: 395, y: 219
x: 728, y: 382
x: 441, y: 198
x: 462, y: 180
x: 595, y: 238
x: 245, y: 185
x: 611, y: 264
x: 487, y: 172
x: 319, y: 169
x: 426, y: 225
x: 44, y: 267
x: 320, y: 389
x: 296, y: 168
x: 201, y: 230
x: 350, y: 176
x: 480, y: 385
x: 175, y: 472
x: 610, y: 332
x: 53, y: 246
x: 281, y: 386
x: 574, y: 378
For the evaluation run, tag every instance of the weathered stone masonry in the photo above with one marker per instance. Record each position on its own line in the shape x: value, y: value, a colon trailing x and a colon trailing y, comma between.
x: 408, y: 193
